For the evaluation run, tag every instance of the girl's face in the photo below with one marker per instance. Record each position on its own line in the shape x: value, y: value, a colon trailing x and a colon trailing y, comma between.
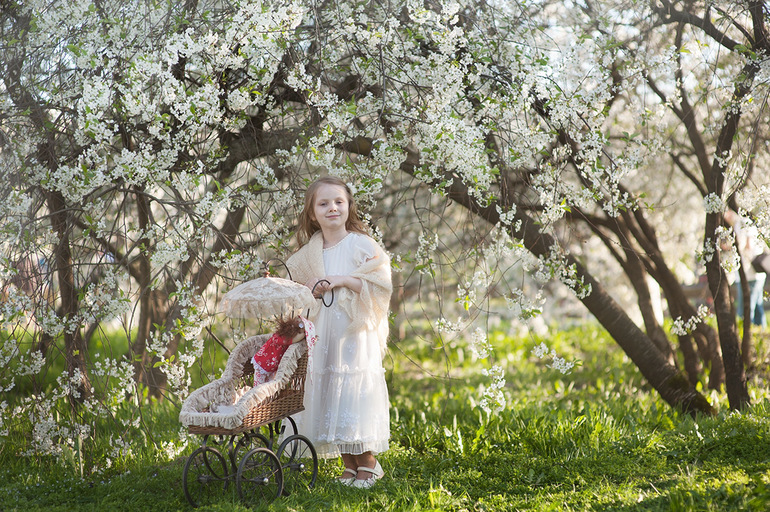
x: 331, y: 207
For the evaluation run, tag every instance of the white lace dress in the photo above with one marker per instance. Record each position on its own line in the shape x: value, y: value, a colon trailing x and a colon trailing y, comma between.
x: 346, y: 397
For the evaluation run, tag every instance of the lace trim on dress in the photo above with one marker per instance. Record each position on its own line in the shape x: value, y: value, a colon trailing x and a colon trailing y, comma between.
x: 338, y: 243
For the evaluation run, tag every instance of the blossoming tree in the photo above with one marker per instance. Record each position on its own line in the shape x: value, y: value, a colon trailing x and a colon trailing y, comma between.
x: 152, y: 153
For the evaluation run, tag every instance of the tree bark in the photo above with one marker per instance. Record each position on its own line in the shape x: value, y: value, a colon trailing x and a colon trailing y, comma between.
x: 75, y: 348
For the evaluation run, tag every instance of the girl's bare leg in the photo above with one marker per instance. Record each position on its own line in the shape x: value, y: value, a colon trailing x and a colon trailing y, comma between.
x: 350, y: 463
x: 365, y: 459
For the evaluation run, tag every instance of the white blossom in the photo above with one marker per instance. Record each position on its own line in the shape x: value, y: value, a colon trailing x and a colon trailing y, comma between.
x: 683, y: 327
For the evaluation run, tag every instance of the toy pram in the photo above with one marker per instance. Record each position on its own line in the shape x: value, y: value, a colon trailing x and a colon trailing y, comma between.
x: 249, y: 438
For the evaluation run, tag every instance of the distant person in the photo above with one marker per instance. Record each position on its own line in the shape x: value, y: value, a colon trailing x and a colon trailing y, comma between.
x: 749, y: 247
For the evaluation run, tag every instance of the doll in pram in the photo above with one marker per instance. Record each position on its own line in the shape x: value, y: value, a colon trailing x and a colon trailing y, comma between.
x: 249, y: 438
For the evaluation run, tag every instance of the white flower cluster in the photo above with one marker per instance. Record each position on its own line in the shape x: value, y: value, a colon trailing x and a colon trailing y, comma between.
x: 118, y: 378
x: 682, y: 327
x: 755, y: 200
x: 479, y: 344
x: 212, y: 203
x: 494, y: 399
x: 242, y: 265
x: 424, y: 257
x: 443, y: 325
x: 556, y: 265
x: 30, y: 363
x: 557, y: 363
x: 9, y: 349
x: 170, y: 250
x: 506, y: 217
x: 729, y: 258
x: 120, y: 448
x: 523, y: 308
x: 724, y: 158
x: 467, y: 291
x: 188, y: 329
x: 709, y: 248
x: 105, y: 299
x: 712, y: 203
x: 3, y: 417
x: 51, y: 433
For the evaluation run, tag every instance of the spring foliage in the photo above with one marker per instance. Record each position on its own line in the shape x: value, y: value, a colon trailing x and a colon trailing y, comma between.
x: 155, y: 153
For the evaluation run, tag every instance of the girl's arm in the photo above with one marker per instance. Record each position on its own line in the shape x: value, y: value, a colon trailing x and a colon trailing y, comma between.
x: 352, y: 283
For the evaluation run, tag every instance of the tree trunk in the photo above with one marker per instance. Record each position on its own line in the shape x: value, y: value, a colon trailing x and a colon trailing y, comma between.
x: 673, y: 385
x: 691, y: 363
x: 75, y: 348
x: 636, y: 273
x: 735, y: 375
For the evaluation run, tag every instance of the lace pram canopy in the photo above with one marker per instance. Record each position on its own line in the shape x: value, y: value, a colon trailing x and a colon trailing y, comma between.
x: 265, y: 297
x: 225, y: 402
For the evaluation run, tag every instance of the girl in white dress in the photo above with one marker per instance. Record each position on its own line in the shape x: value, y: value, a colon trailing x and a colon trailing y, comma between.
x: 346, y: 397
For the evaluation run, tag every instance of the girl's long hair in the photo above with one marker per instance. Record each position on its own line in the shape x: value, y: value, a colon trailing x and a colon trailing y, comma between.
x: 308, y: 226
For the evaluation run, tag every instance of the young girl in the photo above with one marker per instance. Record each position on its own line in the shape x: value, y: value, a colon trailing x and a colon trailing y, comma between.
x: 346, y: 398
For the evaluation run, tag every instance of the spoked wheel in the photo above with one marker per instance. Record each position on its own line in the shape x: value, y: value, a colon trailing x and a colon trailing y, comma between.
x: 205, y: 476
x: 247, y: 442
x: 299, y: 463
x: 259, y: 477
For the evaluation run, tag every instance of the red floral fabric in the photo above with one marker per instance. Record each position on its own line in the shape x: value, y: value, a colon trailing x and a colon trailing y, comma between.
x: 269, y: 355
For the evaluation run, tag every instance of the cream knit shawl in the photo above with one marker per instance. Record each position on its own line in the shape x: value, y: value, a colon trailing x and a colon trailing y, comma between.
x: 367, y: 309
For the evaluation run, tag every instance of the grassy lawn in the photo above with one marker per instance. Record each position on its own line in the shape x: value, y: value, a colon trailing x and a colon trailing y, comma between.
x: 595, y: 439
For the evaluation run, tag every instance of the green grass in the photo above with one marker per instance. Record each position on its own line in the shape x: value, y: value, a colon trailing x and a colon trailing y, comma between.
x: 596, y: 439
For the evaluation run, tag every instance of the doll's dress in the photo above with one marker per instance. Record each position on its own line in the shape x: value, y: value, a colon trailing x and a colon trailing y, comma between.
x: 266, y: 360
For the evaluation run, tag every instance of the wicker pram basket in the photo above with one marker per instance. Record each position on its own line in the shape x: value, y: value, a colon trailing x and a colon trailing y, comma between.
x: 232, y: 405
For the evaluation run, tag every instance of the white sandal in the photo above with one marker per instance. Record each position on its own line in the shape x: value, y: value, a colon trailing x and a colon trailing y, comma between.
x: 376, y: 472
x: 348, y: 480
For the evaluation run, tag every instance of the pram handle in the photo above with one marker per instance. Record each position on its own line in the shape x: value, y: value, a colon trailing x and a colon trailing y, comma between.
x: 266, y: 265
x: 323, y: 301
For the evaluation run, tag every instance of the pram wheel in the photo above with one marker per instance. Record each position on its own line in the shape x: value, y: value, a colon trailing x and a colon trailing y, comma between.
x: 299, y: 463
x: 247, y: 442
x: 259, y: 476
x: 205, y: 476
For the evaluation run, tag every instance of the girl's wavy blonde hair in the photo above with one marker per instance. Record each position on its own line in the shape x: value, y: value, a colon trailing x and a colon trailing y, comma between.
x: 308, y: 226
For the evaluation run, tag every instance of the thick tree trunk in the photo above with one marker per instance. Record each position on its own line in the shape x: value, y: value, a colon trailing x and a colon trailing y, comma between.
x: 635, y: 269
x: 75, y: 348
x: 673, y: 385
x: 637, y: 275
x: 735, y: 374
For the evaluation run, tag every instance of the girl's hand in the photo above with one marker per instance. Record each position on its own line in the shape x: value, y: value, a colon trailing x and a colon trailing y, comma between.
x: 316, y: 286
